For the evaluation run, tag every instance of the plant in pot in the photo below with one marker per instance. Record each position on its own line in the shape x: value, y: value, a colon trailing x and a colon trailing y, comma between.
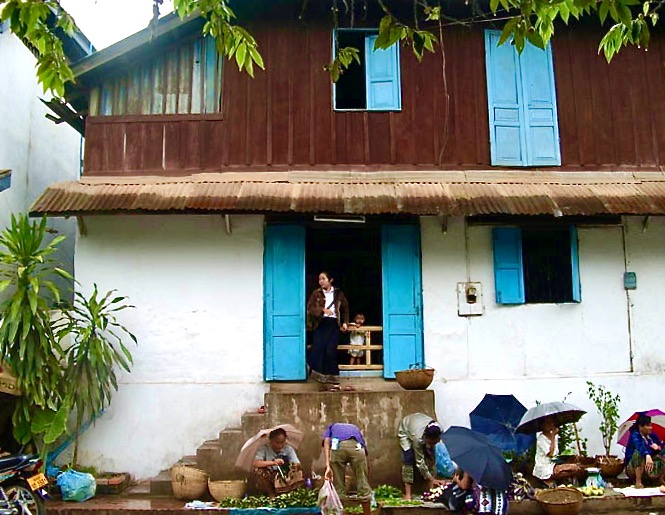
x: 607, y: 405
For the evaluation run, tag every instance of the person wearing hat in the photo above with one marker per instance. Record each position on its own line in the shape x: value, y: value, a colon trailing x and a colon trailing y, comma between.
x: 418, y: 435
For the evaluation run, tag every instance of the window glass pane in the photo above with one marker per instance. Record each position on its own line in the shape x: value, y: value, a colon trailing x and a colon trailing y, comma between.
x: 350, y: 91
x: 547, y: 265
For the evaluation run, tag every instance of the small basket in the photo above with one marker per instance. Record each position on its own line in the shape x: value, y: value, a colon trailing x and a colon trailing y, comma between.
x: 415, y: 378
x: 188, y: 483
x: 220, y: 490
x: 560, y: 501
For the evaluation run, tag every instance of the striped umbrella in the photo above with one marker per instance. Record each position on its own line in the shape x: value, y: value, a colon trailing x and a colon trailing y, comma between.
x: 657, y: 425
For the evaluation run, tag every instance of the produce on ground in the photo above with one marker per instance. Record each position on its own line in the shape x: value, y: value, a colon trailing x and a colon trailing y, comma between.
x: 301, y: 497
x: 387, y: 492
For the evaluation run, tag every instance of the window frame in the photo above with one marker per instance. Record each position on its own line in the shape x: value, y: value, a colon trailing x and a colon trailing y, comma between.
x: 398, y: 70
x: 504, y: 267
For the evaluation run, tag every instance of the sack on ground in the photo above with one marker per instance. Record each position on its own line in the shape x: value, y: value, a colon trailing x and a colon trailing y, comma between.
x: 329, y: 501
x: 291, y: 481
x: 76, y: 486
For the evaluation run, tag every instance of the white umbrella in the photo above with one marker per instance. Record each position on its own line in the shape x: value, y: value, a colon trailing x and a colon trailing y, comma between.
x: 249, y: 448
x: 561, y: 412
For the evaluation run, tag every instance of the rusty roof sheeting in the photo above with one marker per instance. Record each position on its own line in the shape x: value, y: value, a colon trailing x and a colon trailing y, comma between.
x: 453, y: 193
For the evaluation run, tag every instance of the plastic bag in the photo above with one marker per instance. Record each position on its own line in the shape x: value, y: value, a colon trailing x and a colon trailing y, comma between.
x: 76, y: 486
x: 329, y: 501
x: 444, y: 464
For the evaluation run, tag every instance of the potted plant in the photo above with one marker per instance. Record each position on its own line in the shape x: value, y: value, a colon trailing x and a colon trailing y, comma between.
x: 607, y: 405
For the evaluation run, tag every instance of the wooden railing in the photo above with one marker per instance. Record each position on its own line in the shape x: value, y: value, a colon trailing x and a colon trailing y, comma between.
x: 367, y: 348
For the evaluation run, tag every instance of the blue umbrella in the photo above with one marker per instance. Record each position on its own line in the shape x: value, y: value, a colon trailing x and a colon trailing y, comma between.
x: 477, y: 456
x: 497, y: 417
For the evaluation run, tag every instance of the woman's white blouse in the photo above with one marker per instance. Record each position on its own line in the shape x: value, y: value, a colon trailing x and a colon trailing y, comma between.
x: 544, y: 465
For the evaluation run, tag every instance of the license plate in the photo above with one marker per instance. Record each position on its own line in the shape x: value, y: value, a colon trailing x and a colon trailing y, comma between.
x: 37, y: 481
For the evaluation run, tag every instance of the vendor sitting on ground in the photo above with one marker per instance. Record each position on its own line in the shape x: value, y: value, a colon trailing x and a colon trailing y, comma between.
x: 276, y: 458
x: 464, y: 494
x: 418, y: 435
x: 547, y: 448
x: 644, y: 453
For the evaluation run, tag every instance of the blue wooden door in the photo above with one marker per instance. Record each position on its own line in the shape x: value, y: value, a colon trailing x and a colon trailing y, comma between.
x: 284, y: 303
x: 402, y: 298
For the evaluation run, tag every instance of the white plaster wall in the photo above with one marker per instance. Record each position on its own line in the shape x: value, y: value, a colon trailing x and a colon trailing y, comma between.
x: 38, y: 151
x: 198, y: 367
x: 544, y: 351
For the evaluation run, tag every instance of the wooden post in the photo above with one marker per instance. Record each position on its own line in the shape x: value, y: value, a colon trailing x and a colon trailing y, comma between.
x: 577, y: 439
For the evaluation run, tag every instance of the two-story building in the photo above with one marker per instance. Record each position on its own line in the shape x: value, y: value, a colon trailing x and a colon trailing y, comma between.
x: 498, y: 214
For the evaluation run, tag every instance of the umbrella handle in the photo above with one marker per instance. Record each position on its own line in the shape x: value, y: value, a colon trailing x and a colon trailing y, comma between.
x: 577, y: 439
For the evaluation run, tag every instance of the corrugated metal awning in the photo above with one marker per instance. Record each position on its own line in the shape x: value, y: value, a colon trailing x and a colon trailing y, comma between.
x: 454, y: 193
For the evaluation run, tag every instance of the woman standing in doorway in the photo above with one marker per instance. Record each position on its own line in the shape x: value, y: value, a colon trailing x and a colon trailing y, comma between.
x: 327, y: 314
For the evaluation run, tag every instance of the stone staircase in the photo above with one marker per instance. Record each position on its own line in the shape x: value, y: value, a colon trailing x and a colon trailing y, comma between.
x: 375, y: 405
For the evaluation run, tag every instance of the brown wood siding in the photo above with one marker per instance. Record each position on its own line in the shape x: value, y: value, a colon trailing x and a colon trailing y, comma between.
x: 609, y: 115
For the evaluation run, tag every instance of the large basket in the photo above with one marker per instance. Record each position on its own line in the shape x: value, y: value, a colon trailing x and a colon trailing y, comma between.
x: 610, y: 466
x: 560, y: 501
x: 188, y: 483
x: 234, y: 488
x: 415, y: 379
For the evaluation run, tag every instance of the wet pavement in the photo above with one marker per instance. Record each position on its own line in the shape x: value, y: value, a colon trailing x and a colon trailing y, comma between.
x: 119, y: 504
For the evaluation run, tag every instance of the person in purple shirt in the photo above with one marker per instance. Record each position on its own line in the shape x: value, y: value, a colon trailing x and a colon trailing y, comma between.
x: 343, y: 444
x: 644, y: 453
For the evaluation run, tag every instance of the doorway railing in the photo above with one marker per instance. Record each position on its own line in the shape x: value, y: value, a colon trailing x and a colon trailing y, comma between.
x: 368, y: 347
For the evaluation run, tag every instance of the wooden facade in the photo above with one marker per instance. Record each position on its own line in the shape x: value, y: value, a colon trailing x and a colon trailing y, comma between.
x: 610, y: 116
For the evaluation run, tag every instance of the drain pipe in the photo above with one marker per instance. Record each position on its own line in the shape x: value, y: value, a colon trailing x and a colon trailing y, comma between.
x: 629, y: 303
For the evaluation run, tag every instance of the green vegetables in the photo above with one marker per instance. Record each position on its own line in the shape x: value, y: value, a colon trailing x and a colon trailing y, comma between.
x: 298, y: 498
x: 392, y: 502
x: 387, y: 492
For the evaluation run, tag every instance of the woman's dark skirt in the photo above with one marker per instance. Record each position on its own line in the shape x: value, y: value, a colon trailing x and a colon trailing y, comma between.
x: 323, y: 355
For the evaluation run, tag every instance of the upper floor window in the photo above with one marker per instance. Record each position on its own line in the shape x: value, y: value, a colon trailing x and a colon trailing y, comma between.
x: 536, y: 265
x: 372, y: 85
x: 184, y: 79
x: 524, y: 129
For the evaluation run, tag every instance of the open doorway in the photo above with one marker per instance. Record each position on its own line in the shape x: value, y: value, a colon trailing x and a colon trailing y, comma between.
x: 352, y: 255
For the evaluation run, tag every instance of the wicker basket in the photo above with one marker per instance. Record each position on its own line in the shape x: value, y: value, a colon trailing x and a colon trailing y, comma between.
x: 234, y: 488
x: 610, y: 466
x: 560, y: 501
x: 188, y: 483
x: 415, y: 379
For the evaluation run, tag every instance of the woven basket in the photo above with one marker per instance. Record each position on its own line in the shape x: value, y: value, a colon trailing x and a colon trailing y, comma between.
x: 610, y: 466
x: 560, y: 501
x: 415, y: 379
x: 220, y: 490
x: 188, y: 483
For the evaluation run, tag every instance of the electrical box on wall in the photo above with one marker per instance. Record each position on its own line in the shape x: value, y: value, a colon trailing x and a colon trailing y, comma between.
x: 469, y: 299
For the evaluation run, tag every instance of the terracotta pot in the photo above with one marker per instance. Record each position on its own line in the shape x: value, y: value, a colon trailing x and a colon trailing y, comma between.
x: 610, y: 466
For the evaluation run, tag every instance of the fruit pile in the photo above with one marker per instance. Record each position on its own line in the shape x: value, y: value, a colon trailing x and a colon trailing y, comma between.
x: 592, y: 491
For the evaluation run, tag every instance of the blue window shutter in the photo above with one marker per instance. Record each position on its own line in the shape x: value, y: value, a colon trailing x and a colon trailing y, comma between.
x: 402, y: 298
x: 284, y: 303
x: 506, y: 117
x: 539, y: 97
x: 508, y: 271
x: 575, y: 264
x: 382, y: 77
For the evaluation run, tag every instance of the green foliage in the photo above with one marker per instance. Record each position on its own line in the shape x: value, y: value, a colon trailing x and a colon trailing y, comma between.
x: 28, y: 20
x: 55, y: 381
x: 534, y: 20
x: 382, y: 492
x: 96, y: 349
x: 28, y: 341
x: 345, y: 56
x: 297, y: 498
x: 607, y: 405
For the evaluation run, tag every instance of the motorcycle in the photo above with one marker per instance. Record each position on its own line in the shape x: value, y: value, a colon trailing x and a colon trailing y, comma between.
x: 22, y: 486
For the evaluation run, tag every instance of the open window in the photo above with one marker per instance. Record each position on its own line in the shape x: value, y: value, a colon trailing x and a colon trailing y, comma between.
x: 374, y: 83
x: 536, y: 265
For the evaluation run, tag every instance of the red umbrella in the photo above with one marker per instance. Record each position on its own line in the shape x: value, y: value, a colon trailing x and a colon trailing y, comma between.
x: 657, y: 425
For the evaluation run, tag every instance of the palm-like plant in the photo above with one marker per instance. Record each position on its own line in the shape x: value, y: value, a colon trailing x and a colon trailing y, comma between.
x: 97, y: 347
x: 28, y: 334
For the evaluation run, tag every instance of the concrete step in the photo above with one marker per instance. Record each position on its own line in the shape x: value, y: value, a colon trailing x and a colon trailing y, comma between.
x: 252, y: 423
x: 359, y: 384
x: 218, y: 457
x: 161, y: 484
